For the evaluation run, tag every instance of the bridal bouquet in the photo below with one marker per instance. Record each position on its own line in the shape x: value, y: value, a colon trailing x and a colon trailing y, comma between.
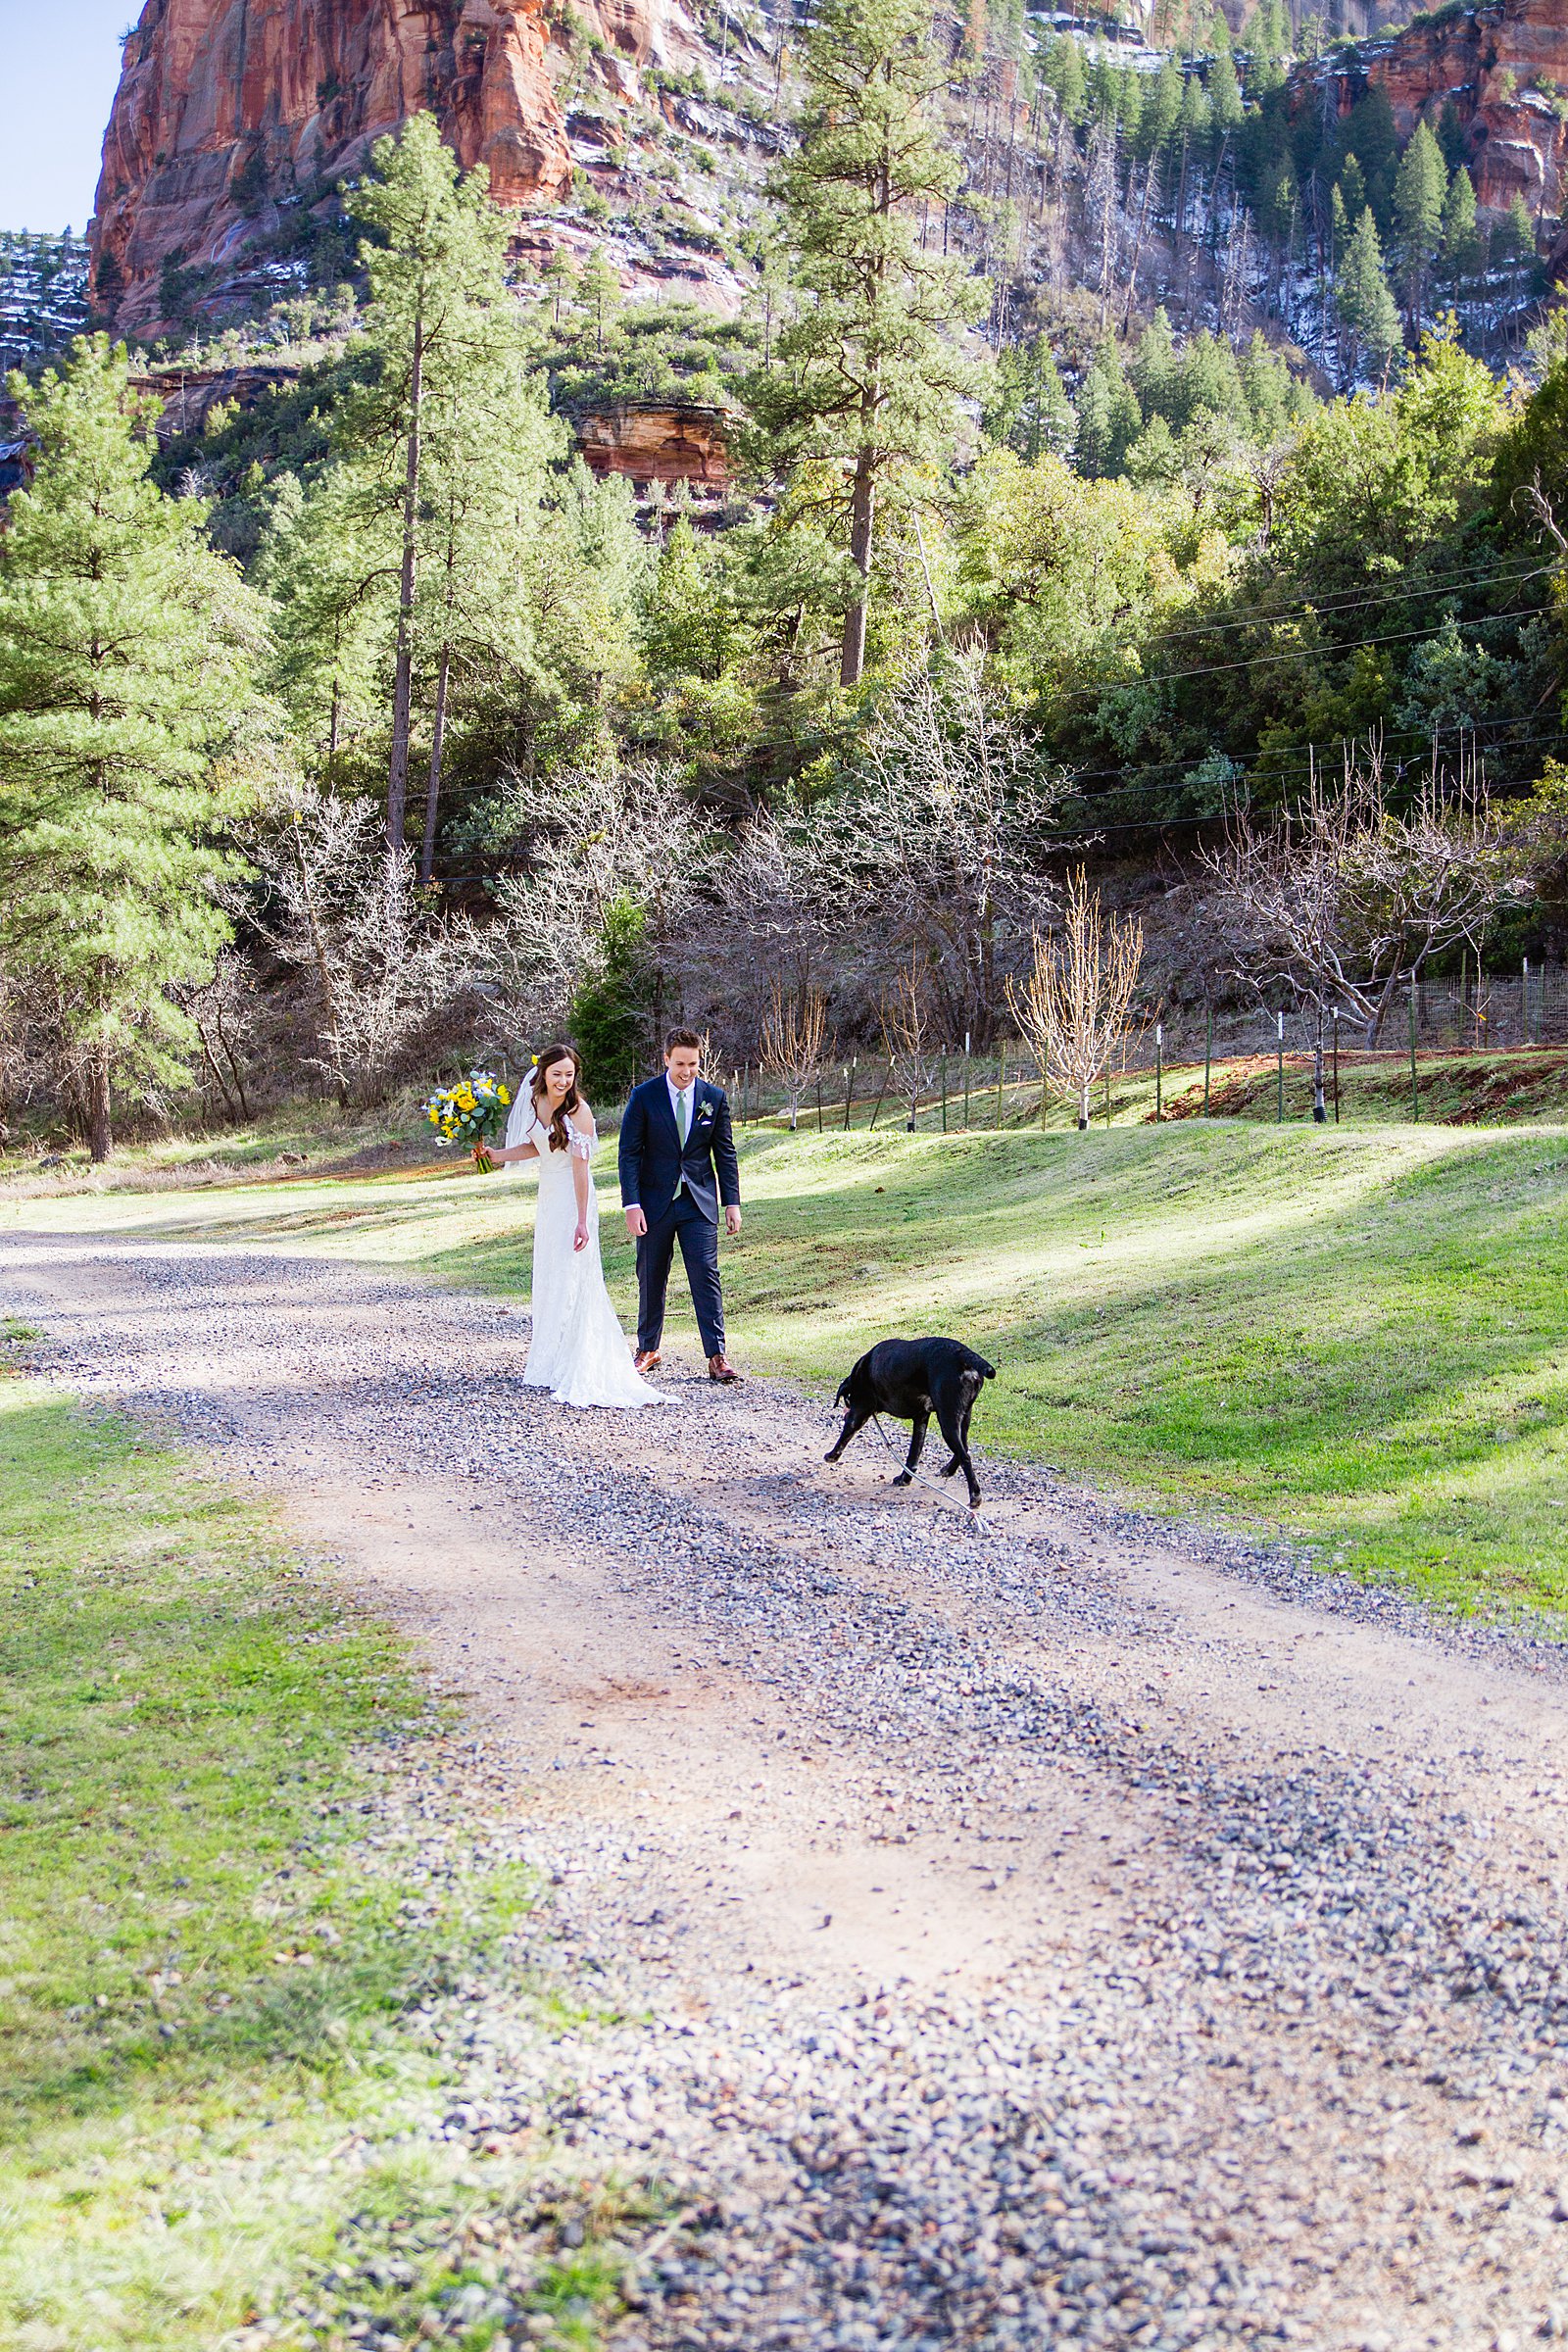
x: 470, y: 1114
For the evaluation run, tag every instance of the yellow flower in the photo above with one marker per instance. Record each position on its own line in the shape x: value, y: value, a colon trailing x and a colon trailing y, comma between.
x: 502, y: 1092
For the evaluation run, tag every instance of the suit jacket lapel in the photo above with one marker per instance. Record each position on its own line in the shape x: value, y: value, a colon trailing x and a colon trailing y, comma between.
x: 662, y: 1090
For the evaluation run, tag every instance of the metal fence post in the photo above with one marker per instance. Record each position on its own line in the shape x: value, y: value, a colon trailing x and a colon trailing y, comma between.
x: 966, y: 1080
x: 1002, y: 1071
x: 1415, y: 1091
x: 1159, y: 1071
x: 1279, y: 1054
x: 943, y: 1059
x: 1208, y: 1056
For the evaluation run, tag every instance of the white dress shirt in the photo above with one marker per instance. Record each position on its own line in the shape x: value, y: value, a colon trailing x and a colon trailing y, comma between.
x: 678, y: 1096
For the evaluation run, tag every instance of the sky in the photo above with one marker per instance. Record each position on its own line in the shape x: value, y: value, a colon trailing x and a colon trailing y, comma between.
x: 59, y: 62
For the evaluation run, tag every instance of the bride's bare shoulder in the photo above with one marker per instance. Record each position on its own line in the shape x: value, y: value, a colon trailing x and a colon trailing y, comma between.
x: 582, y: 1118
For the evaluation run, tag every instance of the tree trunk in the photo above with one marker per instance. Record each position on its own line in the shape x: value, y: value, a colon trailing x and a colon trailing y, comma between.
x: 861, y: 514
x: 100, y: 1135
x: 433, y: 793
x: 397, y: 793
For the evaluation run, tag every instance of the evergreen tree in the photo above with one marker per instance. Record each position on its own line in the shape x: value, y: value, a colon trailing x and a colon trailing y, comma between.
x: 1361, y: 298
x: 1224, y: 93
x: 599, y: 292
x: 1163, y: 123
x: 1110, y: 419
x: 868, y: 375
x: 1419, y: 193
x: 1067, y: 77
x: 1350, y: 188
x: 1452, y: 137
x: 124, y: 673
x: 438, y: 297
x: 1155, y: 371
x: 1197, y: 116
x: 1029, y: 409
x: 1461, y: 238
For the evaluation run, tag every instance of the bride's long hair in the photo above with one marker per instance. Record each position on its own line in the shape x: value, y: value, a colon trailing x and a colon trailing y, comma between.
x: 560, y: 1132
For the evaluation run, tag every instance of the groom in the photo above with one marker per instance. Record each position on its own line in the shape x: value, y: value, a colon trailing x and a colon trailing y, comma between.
x: 677, y: 1161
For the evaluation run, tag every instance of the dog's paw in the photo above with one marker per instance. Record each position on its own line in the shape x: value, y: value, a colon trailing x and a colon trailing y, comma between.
x: 947, y: 1470
x: 905, y: 1478
x: 831, y: 1457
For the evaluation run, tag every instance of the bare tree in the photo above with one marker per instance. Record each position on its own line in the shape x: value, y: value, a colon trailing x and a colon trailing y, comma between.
x: 586, y: 842
x: 1346, y: 897
x: 224, y: 1010
x: 907, y: 1035
x: 1073, y: 1004
x: 792, y: 1043
x: 941, y: 845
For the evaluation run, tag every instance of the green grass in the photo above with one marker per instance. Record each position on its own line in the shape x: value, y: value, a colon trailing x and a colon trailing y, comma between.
x: 1356, y: 1336
x: 210, y: 1974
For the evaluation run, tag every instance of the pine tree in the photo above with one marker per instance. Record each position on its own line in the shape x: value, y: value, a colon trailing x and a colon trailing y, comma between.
x: 599, y: 292
x: 1030, y: 411
x: 1067, y: 77
x: 124, y: 673
x: 1362, y: 300
x: 1350, y: 188
x: 1163, y: 123
x: 1419, y: 192
x: 868, y: 375
x: 1155, y: 370
x: 438, y: 290
x: 1224, y: 93
x: 1461, y: 238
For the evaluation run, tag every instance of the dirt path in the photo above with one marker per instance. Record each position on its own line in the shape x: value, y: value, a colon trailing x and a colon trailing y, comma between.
x: 1024, y: 1936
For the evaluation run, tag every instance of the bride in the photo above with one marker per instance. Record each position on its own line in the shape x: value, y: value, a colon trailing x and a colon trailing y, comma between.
x: 578, y: 1350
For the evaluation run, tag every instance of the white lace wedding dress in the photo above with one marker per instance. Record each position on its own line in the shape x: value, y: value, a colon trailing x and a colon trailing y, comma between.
x: 578, y: 1350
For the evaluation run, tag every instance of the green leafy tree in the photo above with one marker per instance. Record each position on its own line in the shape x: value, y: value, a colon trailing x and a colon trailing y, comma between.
x: 867, y: 376
x: 1110, y: 419
x: 125, y: 653
x: 1420, y: 190
x: 1363, y: 303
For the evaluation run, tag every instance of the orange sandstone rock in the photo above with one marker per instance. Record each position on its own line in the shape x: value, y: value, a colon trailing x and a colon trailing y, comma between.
x: 229, y: 112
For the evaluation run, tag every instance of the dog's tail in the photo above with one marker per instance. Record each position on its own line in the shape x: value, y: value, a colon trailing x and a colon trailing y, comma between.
x: 978, y: 1370
x: 843, y: 1396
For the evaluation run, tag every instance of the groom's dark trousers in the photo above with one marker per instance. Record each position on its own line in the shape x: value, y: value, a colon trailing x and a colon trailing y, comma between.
x: 680, y: 1193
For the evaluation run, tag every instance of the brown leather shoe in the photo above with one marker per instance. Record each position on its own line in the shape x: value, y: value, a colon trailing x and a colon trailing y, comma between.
x: 646, y: 1362
x: 719, y: 1368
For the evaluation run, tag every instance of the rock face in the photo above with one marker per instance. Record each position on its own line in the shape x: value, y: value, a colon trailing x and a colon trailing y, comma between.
x: 1504, y: 67
x: 230, y: 112
x: 669, y: 443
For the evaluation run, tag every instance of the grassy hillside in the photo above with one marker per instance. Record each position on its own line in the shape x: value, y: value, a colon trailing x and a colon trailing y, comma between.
x: 1357, y: 1337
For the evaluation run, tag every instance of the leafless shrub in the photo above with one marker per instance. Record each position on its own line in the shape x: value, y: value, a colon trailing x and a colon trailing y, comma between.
x: 1346, y: 896
x: 1074, y: 1004
x: 351, y: 921
x: 792, y: 1043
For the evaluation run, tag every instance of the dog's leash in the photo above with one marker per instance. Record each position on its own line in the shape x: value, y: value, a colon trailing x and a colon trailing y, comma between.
x: 972, y: 1518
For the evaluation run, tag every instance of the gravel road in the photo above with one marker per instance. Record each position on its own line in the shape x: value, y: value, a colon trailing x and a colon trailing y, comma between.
x: 1041, y: 1933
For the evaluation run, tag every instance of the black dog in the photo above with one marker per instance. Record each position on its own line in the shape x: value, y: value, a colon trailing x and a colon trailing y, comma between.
x: 912, y: 1379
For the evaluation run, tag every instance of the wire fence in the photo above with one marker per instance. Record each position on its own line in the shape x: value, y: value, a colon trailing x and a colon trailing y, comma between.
x: 1184, y: 1059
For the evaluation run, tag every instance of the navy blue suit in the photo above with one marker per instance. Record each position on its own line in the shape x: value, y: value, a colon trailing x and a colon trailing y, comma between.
x: 680, y: 1193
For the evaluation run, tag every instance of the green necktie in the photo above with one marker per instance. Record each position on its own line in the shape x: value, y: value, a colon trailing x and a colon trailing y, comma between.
x: 680, y: 1119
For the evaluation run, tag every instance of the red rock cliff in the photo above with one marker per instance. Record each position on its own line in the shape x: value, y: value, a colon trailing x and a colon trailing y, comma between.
x: 1504, y: 65
x: 229, y: 112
